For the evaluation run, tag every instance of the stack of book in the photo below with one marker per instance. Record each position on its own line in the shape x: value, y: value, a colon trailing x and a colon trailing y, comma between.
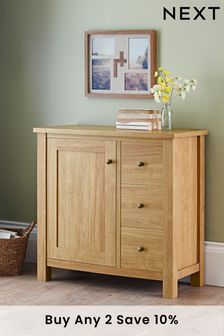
x: 138, y: 119
x: 6, y: 234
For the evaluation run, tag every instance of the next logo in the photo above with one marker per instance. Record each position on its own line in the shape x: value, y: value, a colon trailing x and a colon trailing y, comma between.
x: 190, y: 13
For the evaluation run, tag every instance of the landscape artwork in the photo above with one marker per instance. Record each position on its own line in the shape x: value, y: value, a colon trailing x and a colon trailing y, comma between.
x: 103, y: 47
x: 120, y: 63
x: 138, y: 53
x: 102, y: 53
x: 136, y: 81
x: 101, y: 74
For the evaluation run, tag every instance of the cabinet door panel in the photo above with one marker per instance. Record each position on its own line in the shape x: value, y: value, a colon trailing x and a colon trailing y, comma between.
x: 81, y: 206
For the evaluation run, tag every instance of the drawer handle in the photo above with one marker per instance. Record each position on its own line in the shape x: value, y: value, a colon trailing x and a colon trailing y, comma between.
x: 109, y: 161
x: 140, y: 164
x: 140, y: 205
x: 140, y: 249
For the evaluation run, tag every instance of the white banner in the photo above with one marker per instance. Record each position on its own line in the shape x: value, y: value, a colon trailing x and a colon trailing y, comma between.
x: 111, y: 320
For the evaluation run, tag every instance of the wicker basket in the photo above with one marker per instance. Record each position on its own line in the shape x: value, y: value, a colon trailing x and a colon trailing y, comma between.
x: 12, y: 251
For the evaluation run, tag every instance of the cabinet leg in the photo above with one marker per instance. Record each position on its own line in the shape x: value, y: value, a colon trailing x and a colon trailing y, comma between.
x: 170, y: 289
x: 43, y: 273
x: 197, y: 279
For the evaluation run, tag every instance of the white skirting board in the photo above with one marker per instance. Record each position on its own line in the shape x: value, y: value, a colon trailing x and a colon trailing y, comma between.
x: 214, y: 255
x: 214, y: 263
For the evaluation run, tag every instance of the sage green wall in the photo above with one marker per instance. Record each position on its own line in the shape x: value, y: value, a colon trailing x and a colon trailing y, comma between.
x: 1, y: 101
x: 43, y: 84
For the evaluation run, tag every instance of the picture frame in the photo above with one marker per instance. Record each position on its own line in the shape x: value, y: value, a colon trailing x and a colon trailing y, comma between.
x: 120, y: 63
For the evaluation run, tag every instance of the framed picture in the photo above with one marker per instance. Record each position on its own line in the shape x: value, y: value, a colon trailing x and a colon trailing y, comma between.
x: 120, y: 63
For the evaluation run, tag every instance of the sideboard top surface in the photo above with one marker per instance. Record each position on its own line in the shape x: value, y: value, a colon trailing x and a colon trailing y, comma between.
x: 114, y: 132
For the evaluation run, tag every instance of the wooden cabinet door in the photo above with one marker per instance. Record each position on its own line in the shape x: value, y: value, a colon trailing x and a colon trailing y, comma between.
x: 81, y: 200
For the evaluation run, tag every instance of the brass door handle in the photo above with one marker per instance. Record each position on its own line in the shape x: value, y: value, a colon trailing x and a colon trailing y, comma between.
x: 140, y: 164
x: 140, y: 205
x: 109, y: 161
x: 140, y: 249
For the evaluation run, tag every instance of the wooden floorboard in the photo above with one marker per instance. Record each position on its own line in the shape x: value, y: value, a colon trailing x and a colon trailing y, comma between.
x: 77, y: 288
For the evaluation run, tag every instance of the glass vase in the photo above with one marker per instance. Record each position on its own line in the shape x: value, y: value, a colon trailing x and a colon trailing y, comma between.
x: 166, y: 114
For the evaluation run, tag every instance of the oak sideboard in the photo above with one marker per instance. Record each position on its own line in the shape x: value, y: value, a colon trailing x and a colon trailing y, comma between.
x: 120, y: 202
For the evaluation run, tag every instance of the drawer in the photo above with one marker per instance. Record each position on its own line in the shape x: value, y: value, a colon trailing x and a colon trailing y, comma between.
x: 142, y: 206
x: 151, y: 243
x: 142, y: 162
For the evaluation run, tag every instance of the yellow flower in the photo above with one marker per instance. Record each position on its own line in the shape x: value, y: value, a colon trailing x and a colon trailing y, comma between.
x: 168, y: 79
x: 166, y: 73
x: 163, y: 85
x: 160, y: 80
x: 160, y: 69
x: 167, y: 89
x: 165, y: 99
x: 156, y: 74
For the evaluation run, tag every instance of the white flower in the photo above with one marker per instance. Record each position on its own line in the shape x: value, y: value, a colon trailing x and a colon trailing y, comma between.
x: 187, y: 88
x: 156, y: 74
x: 193, y: 87
x: 183, y: 94
x: 195, y: 82
x: 156, y: 98
x: 156, y: 87
x: 186, y: 81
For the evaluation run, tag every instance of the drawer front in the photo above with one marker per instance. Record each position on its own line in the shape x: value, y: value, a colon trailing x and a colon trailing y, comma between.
x: 142, y: 162
x: 142, y: 206
x: 142, y: 249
